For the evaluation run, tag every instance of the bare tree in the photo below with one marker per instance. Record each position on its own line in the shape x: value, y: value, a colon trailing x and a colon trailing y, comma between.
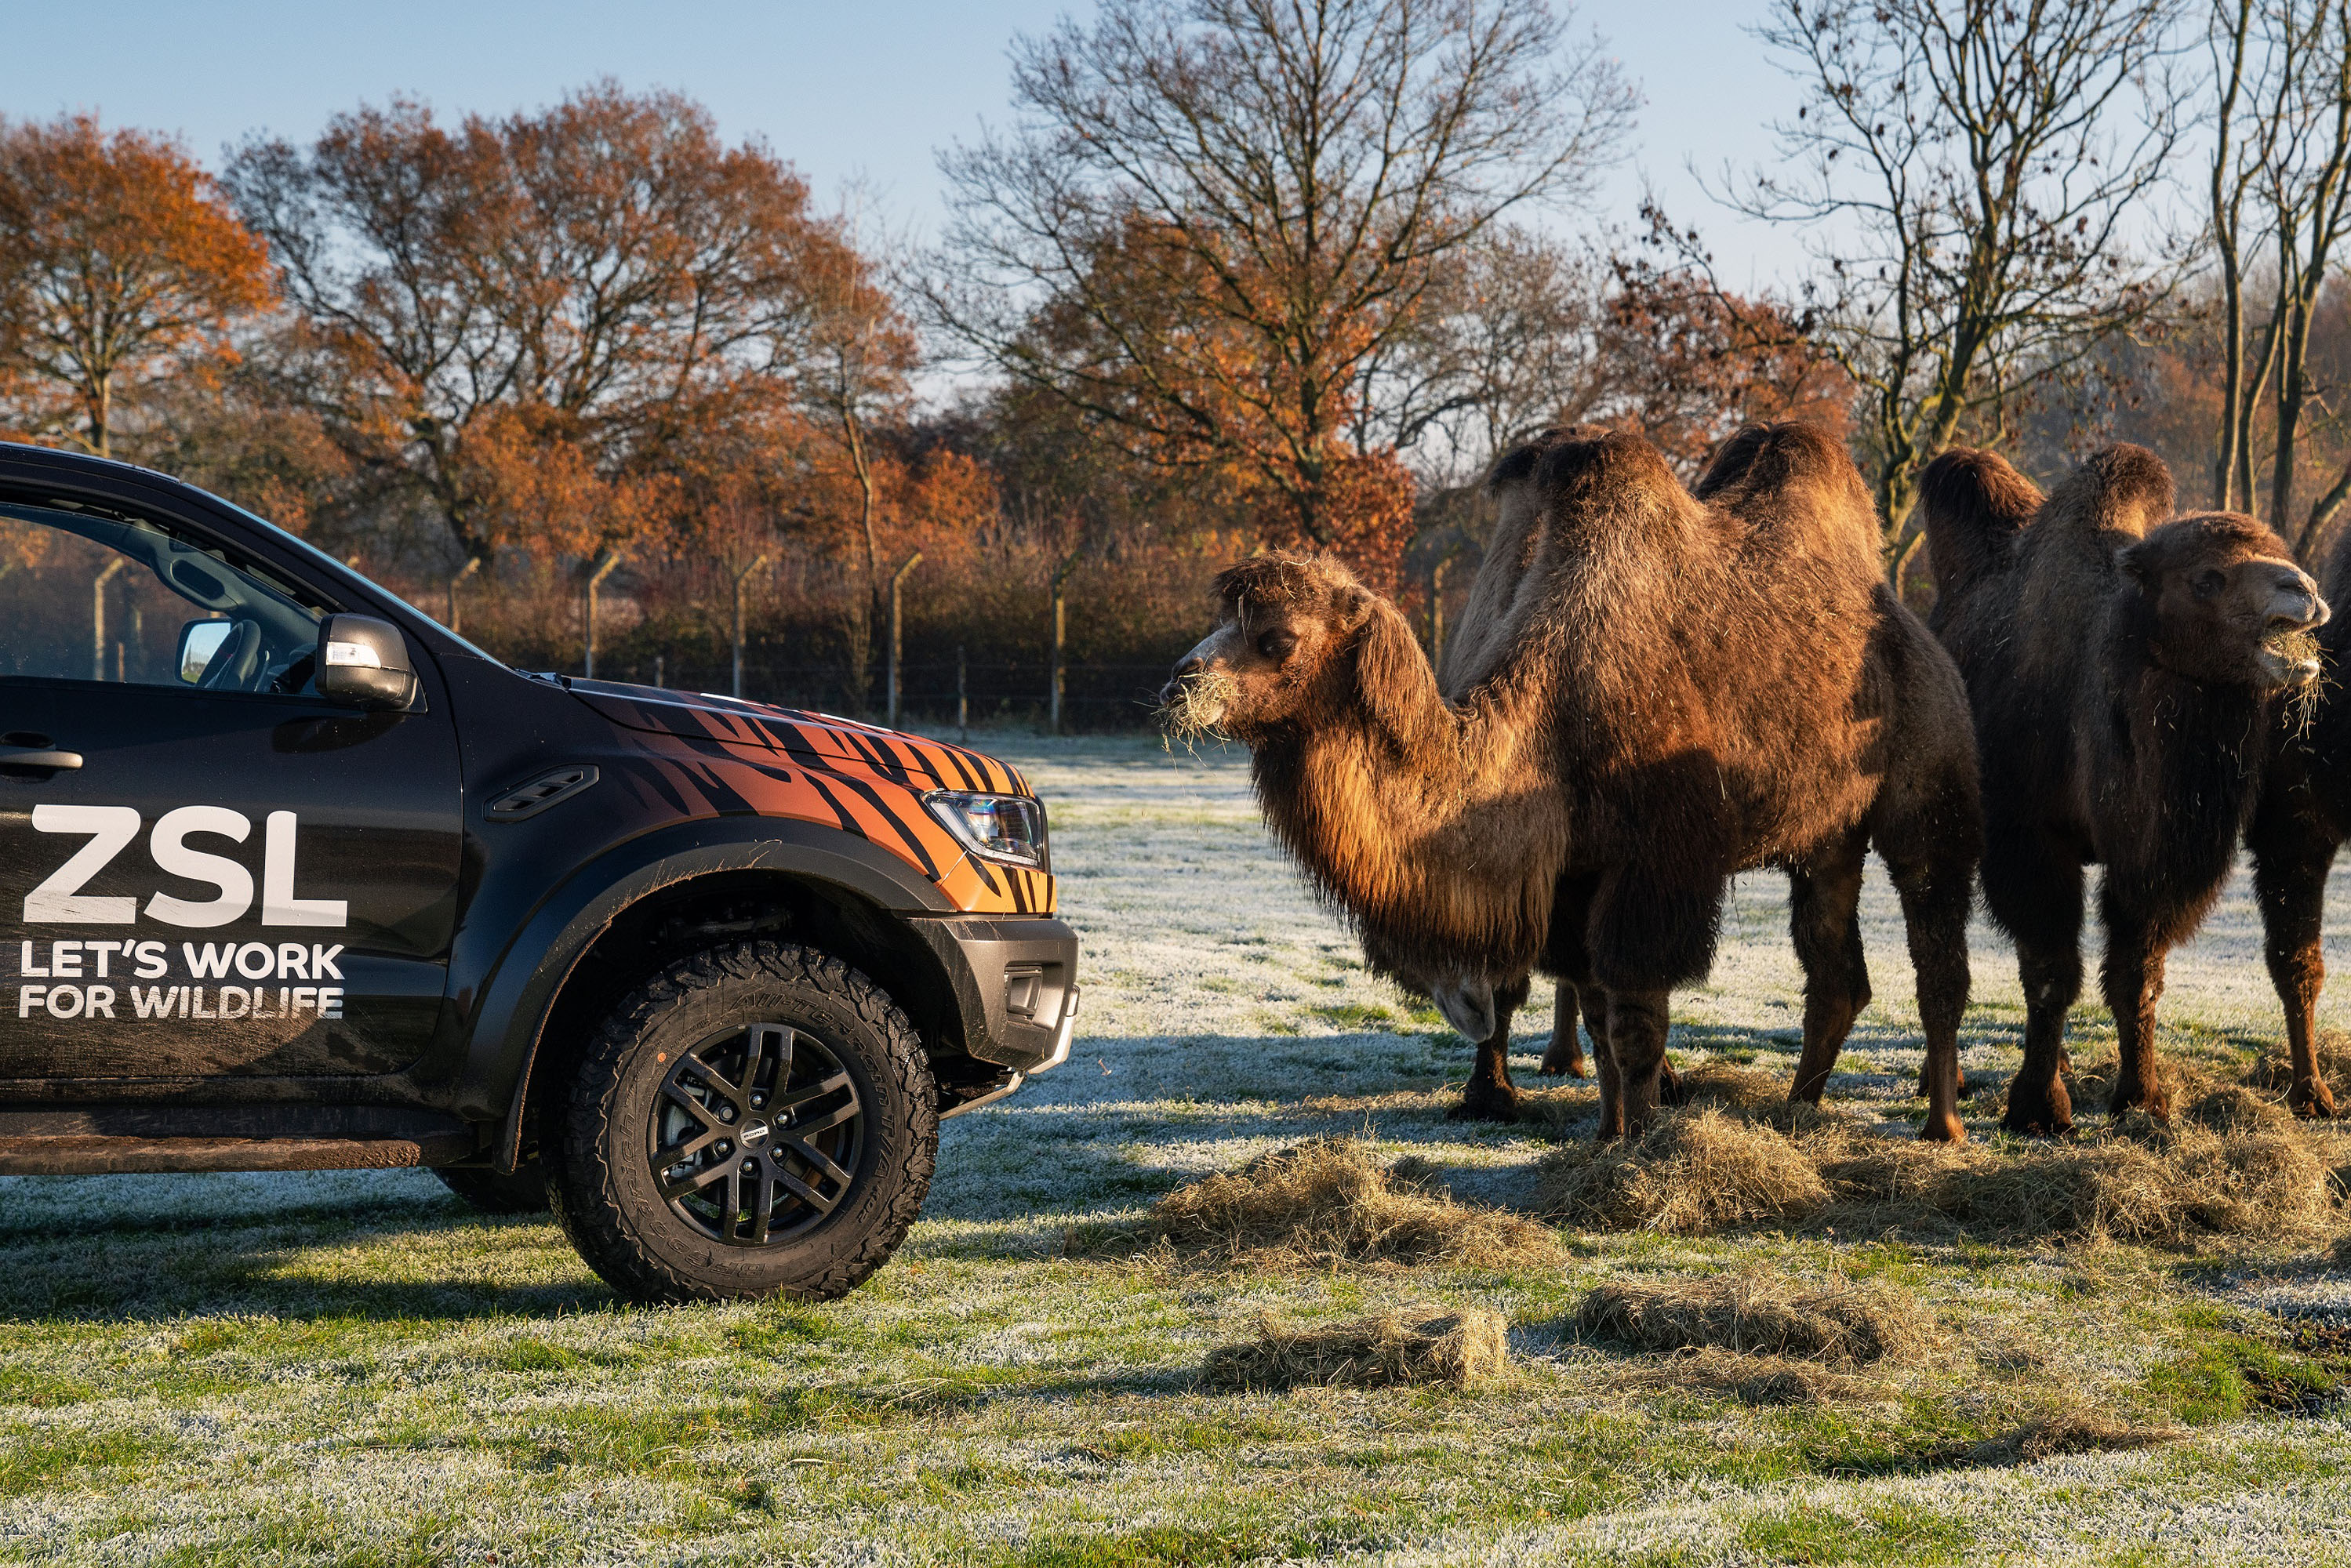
x: 1966, y: 170
x: 1212, y: 215
x: 2282, y: 69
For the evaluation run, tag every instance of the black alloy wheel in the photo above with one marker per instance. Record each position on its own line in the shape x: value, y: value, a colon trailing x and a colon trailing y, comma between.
x: 756, y: 1135
x: 756, y: 1118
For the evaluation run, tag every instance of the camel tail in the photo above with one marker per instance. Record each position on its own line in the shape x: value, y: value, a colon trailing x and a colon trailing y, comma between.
x: 1975, y: 507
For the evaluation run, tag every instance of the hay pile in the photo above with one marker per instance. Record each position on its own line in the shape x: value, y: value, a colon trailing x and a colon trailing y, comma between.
x: 1694, y: 1171
x: 2230, y: 1166
x: 1760, y: 1312
x: 1330, y: 1201
x: 1426, y: 1344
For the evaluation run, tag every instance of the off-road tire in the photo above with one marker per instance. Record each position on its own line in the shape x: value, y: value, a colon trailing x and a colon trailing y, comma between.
x: 600, y: 1179
x: 488, y: 1191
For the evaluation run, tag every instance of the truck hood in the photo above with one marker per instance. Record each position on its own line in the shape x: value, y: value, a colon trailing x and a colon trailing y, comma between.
x: 815, y: 739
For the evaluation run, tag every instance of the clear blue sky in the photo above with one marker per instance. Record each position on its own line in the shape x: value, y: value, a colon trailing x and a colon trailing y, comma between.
x: 847, y: 90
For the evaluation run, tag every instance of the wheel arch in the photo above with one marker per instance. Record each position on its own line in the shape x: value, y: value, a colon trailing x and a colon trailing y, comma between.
x: 635, y: 909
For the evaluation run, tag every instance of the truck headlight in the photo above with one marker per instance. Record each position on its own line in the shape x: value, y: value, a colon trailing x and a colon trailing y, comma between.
x: 1000, y: 826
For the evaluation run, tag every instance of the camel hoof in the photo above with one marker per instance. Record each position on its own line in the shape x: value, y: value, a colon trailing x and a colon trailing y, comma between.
x: 1486, y: 1105
x: 1671, y: 1090
x: 1942, y: 1130
x: 1563, y: 1067
x: 2312, y: 1102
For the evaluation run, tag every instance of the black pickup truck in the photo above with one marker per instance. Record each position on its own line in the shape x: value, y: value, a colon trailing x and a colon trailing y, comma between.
x: 293, y: 878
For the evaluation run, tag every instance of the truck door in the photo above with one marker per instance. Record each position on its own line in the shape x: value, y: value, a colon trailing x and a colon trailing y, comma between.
x: 206, y: 869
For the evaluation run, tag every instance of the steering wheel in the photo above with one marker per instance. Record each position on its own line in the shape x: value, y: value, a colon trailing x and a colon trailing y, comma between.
x: 233, y: 663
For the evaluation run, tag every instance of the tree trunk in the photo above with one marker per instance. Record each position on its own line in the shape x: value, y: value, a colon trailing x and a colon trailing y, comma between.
x: 106, y: 574
x: 897, y: 584
x: 596, y: 576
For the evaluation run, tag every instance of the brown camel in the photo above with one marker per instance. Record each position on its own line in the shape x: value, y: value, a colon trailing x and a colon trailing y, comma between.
x: 1688, y: 689
x: 2304, y: 817
x: 2125, y: 674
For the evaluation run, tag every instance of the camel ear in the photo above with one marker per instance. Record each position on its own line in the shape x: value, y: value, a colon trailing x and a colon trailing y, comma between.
x: 1354, y: 607
x: 1391, y: 672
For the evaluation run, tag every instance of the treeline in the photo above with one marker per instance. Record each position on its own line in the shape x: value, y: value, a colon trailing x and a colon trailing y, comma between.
x: 593, y: 382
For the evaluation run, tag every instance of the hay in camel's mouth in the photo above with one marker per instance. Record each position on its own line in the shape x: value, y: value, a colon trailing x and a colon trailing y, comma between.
x: 1197, y: 711
x: 2291, y: 657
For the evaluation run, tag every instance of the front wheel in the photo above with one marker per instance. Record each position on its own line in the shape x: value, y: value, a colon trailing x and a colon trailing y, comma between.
x: 756, y: 1119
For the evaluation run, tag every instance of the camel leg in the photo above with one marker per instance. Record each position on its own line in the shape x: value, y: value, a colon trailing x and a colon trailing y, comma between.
x: 1637, y: 1021
x: 2034, y: 889
x: 1564, y: 1056
x: 2291, y: 860
x: 1488, y: 1096
x: 2132, y: 979
x: 1824, y: 919
x: 1934, y: 900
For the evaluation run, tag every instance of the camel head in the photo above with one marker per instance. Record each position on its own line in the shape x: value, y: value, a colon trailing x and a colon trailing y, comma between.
x: 2225, y: 603
x: 1298, y: 638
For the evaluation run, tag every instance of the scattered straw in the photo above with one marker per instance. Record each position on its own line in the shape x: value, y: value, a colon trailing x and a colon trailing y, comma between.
x: 1426, y: 1343
x: 2081, y: 1430
x: 1759, y: 1311
x: 1760, y: 1380
x: 1330, y: 1201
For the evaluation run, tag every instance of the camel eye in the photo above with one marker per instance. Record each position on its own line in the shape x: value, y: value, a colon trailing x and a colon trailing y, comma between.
x: 2208, y: 583
x: 1276, y: 644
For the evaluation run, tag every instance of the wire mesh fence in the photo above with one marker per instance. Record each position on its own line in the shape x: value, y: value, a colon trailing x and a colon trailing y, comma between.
x: 931, y: 695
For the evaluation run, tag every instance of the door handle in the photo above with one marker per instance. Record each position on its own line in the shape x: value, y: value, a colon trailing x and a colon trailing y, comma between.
x: 38, y: 756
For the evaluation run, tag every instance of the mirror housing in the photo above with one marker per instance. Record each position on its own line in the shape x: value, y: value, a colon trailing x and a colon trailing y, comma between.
x: 363, y: 662
x: 199, y: 641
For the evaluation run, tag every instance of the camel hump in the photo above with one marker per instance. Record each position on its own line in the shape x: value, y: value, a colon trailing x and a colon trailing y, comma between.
x: 1774, y: 456
x: 1518, y: 465
x: 1975, y: 505
x: 2124, y: 489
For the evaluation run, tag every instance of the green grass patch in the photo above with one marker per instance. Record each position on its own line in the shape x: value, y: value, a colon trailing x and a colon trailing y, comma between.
x: 1907, y: 1533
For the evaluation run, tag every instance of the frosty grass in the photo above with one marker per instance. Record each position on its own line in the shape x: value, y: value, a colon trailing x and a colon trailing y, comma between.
x: 351, y: 1368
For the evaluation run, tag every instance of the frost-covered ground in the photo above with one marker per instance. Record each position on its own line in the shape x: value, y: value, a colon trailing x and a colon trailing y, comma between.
x: 350, y: 1368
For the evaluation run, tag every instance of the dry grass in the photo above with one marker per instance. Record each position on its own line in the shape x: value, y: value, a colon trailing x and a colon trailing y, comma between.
x: 1329, y: 1201
x: 2232, y: 1166
x: 1427, y: 1344
x: 1760, y: 1312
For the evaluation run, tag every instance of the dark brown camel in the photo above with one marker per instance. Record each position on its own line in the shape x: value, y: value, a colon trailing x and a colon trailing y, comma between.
x: 2304, y: 817
x: 1689, y: 690
x: 2125, y: 672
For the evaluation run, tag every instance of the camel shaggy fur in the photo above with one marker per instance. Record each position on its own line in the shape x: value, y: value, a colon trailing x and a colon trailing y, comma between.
x: 1679, y: 690
x: 2125, y: 672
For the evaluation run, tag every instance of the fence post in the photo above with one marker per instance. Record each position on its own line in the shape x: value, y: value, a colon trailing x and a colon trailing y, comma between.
x: 603, y: 568
x: 97, y: 618
x: 963, y: 698
x: 1436, y: 612
x: 757, y: 563
x: 460, y: 575
x: 660, y: 676
x: 1060, y: 633
x: 897, y: 580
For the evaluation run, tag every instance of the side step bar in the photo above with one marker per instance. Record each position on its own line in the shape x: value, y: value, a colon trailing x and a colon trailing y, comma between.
x: 86, y: 1155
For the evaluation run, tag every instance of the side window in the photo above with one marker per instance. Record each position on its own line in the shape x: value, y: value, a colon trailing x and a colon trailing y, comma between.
x: 88, y: 597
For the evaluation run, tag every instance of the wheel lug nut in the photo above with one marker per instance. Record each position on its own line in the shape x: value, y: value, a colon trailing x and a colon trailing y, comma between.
x: 724, y: 1148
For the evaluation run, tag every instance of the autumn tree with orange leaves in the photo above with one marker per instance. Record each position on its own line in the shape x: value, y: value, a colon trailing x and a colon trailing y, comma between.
x: 1213, y: 213
x: 606, y: 276
x: 120, y: 264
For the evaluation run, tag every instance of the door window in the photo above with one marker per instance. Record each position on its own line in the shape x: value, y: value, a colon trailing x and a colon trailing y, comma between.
x: 85, y: 596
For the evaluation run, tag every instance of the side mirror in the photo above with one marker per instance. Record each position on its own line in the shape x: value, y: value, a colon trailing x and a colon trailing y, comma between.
x: 364, y: 661
x: 199, y: 641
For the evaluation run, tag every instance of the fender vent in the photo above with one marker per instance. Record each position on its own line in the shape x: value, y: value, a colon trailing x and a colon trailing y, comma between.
x: 540, y: 793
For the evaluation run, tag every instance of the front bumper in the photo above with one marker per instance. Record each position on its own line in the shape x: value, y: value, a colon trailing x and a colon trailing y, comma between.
x: 1016, y: 986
